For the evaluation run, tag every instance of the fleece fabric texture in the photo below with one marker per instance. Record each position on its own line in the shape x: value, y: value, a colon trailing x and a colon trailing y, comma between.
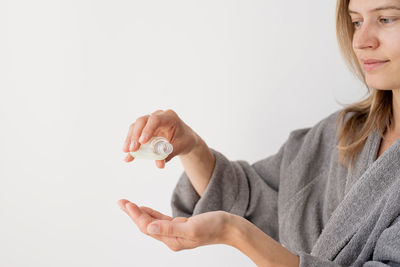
x: 302, y: 197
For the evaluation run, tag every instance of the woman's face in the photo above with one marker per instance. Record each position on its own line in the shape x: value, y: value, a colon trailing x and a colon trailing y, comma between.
x: 377, y: 38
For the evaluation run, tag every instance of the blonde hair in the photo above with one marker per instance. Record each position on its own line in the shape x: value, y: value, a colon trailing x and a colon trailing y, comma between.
x: 373, y: 112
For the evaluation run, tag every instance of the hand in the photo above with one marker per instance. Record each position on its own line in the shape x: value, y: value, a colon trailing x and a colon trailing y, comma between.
x: 180, y: 233
x: 160, y: 123
x: 215, y: 227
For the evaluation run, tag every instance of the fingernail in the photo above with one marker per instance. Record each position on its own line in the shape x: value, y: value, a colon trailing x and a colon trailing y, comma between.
x: 154, y: 229
x: 142, y: 138
x: 132, y: 146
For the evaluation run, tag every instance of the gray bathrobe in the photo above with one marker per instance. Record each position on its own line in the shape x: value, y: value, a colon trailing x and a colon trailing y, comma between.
x: 303, y: 198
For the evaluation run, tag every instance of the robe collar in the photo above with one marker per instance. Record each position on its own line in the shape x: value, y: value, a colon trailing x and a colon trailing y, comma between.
x: 375, y: 177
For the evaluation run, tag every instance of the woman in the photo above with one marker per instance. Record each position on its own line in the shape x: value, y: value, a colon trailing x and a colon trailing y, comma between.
x: 329, y: 197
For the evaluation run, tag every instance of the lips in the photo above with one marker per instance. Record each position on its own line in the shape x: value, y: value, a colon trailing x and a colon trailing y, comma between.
x: 373, y: 61
x: 371, y: 64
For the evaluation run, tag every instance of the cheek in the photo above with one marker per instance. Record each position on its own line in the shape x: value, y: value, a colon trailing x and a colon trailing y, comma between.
x: 387, y: 78
x: 392, y: 51
x: 391, y: 46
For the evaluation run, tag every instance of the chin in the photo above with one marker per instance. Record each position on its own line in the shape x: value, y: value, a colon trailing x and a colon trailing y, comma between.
x: 379, y: 84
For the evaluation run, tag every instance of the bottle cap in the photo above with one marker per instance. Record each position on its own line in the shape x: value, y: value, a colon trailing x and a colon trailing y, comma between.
x: 163, y: 148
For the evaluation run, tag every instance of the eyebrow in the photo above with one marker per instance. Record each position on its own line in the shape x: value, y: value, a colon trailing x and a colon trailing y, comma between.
x: 377, y: 9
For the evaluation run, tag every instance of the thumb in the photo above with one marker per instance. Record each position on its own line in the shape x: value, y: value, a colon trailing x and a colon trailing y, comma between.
x: 168, y: 228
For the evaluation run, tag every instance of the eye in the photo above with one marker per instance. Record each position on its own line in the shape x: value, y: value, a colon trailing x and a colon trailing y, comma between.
x: 385, y: 20
x: 355, y: 24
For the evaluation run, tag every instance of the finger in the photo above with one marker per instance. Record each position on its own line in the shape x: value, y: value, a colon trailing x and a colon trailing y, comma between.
x: 129, y: 158
x: 121, y: 203
x: 125, y: 147
x: 137, y: 131
x: 169, y: 157
x: 155, y: 214
x: 141, y: 219
x: 133, y: 211
x: 175, y: 243
x: 157, y: 112
x: 160, y: 164
x: 169, y: 228
x: 149, y: 130
x: 171, y: 242
x: 180, y: 219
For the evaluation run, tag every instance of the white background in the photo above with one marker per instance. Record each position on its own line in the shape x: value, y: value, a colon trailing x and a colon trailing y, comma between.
x: 75, y: 74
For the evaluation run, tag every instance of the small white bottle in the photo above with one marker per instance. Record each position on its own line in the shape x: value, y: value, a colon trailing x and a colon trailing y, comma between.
x: 157, y: 148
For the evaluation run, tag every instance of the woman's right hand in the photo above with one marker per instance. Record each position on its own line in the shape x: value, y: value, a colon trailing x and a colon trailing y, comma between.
x: 160, y: 123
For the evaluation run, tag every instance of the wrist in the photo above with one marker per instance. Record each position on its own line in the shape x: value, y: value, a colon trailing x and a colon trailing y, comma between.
x: 199, y: 164
x: 199, y: 152
x: 198, y: 146
x: 235, y: 230
x: 258, y: 246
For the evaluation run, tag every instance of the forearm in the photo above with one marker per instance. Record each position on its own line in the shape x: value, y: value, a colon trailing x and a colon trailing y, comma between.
x: 258, y: 246
x: 199, y: 165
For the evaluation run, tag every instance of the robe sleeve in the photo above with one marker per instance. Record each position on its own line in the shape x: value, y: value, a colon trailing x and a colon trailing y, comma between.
x: 386, y: 252
x: 250, y: 191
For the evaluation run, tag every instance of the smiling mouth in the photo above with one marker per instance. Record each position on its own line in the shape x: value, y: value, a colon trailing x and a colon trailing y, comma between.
x: 374, y: 65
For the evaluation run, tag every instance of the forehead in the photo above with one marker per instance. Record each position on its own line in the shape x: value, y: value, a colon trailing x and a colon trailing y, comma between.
x: 371, y: 6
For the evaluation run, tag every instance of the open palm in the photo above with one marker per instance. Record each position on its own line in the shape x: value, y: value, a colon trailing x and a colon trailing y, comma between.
x: 179, y: 233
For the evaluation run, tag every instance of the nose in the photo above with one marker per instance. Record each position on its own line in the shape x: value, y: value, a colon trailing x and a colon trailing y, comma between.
x: 365, y: 37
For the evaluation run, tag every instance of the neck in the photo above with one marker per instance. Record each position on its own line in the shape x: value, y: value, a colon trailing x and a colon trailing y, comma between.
x: 396, y: 111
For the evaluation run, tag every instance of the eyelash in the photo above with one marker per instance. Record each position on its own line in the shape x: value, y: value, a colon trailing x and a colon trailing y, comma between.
x: 354, y: 22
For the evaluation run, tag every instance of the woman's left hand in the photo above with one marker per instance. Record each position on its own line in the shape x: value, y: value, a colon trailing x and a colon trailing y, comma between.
x: 180, y: 233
